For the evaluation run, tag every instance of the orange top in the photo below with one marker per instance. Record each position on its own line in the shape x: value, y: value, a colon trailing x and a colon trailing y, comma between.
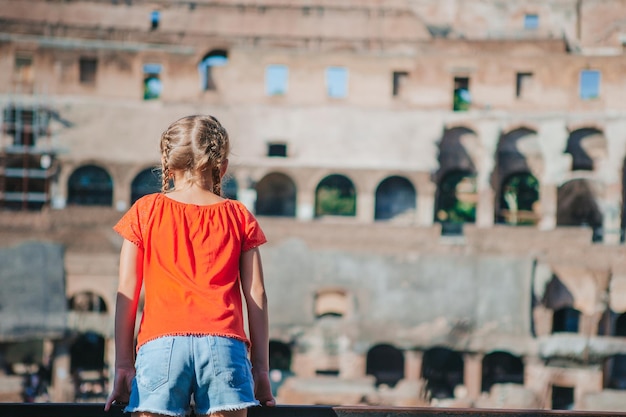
x: 190, y: 265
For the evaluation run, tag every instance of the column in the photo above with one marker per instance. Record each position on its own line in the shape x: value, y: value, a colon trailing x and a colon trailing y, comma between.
x: 365, y: 207
x: 473, y: 374
x: 548, y: 198
x: 611, y: 211
x: 62, y: 389
x: 413, y: 364
x: 485, y: 207
x: 426, y: 203
x: 305, y: 204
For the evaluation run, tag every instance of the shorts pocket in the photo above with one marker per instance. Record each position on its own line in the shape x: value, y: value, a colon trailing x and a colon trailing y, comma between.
x: 153, y: 363
x: 234, y: 366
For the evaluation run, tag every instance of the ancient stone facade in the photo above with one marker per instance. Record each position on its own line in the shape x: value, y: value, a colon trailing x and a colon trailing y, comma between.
x: 441, y: 182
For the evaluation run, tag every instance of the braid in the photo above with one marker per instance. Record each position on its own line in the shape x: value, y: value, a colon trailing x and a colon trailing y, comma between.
x: 165, y: 166
x: 216, y: 151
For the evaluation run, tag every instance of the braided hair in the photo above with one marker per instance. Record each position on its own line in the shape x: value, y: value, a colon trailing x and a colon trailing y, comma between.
x: 197, y: 145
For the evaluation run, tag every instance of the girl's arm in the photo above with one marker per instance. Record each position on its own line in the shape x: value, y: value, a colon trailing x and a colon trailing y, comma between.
x: 256, y: 301
x: 128, y: 290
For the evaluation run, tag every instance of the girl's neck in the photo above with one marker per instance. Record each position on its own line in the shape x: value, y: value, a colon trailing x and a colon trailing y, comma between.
x: 191, y: 193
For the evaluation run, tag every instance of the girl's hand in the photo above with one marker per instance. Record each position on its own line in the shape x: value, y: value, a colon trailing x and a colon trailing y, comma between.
x: 121, y: 387
x: 262, y: 388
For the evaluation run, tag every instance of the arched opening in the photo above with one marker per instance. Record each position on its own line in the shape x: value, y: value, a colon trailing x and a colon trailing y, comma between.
x: 146, y: 182
x: 229, y: 187
x: 442, y: 369
x: 519, y: 196
x: 395, y: 197
x: 456, y: 198
x: 215, y: 58
x: 586, y: 146
x: 501, y: 368
x: 577, y: 206
x: 276, y: 196
x: 87, y: 301
x: 87, y: 366
x: 280, y: 364
x: 386, y: 364
x: 90, y: 185
x: 518, y: 158
x: 617, y: 363
x: 335, y: 196
x: 565, y: 320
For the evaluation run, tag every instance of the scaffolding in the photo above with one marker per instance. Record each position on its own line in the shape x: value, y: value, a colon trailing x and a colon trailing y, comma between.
x: 27, y: 156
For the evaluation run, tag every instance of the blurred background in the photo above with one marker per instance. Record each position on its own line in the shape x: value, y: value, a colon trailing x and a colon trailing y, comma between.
x: 441, y: 183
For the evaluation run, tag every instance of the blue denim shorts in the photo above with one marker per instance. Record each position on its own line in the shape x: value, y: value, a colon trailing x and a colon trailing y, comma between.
x: 215, y: 371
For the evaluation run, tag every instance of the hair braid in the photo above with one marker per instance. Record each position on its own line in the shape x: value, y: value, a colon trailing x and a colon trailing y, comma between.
x: 165, y: 168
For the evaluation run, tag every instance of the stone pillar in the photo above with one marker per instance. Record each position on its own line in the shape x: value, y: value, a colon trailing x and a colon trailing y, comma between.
x: 62, y: 389
x: 305, y: 205
x: 426, y: 203
x: 611, y: 212
x: 365, y: 207
x: 485, y: 207
x: 473, y: 374
x: 537, y: 378
x: 413, y: 364
x: 247, y: 196
x: 548, y: 196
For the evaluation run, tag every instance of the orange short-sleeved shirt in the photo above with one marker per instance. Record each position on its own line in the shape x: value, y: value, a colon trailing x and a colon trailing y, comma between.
x: 190, y: 261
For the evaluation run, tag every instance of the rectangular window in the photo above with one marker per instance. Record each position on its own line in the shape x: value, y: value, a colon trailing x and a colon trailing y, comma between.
x: 522, y: 84
x: 277, y: 149
x: 276, y: 77
x: 531, y: 21
x: 24, y: 67
x: 461, y: 99
x: 87, y: 70
x: 337, y: 82
x: 399, y: 78
x: 152, y: 86
x: 155, y: 19
x: 589, y: 84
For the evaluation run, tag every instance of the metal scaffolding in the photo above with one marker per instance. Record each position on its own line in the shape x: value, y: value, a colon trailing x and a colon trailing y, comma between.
x: 27, y: 156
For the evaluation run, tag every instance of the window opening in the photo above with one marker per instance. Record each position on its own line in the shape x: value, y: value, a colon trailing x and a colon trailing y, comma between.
x: 24, y: 67
x: 276, y: 77
x: 152, y: 85
x: 146, y: 182
x: 386, y: 364
x: 336, y: 196
x: 216, y: 58
x: 589, y: 84
x: 562, y: 398
x: 518, y: 200
x: 87, y: 70
x: 155, y: 18
x: 277, y: 149
x: 399, y: 79
x: 531, y: 21
x: 462, y: 98
x: 522, y: 84
x: 337, y: 82
x: 565, y: 320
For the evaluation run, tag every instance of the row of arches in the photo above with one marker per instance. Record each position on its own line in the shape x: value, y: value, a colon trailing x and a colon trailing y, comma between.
x: 395, y: 196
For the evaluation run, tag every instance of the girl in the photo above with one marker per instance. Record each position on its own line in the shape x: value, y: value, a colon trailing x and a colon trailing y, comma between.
x: 196, y: 253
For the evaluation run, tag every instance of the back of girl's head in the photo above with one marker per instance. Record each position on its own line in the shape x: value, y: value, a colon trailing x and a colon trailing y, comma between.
x: 198, y: 146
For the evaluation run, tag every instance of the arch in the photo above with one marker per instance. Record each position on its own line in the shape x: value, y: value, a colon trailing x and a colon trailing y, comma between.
x: 87, y: 353
x: 335, y: 195
x: 230, y: 187
x: 456, y: 198
x: 90, y: 185
x: 442, y: 368
x: 87, y: 301
x: 276, y: 196
x: 586, y: 145
x: 146, y: 182
x: 565, y: 320
x: 501, y: 368
x: 455, y: 150
x: 395, y: 196
x: 386, y: 363
x: 518, y: 200
x: 280, y: 364
x: 577, y: 204
x: 215, y: 58
x: 620, y: 326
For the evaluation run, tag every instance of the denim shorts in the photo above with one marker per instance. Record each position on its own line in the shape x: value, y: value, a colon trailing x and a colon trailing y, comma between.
x: 215, y: 371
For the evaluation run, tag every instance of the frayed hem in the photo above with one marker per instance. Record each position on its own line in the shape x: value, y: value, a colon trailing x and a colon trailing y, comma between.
x: 235, y: 407
x: 154, y: 411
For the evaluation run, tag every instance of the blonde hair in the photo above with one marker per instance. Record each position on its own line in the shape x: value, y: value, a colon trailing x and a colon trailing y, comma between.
x: 195, y: 145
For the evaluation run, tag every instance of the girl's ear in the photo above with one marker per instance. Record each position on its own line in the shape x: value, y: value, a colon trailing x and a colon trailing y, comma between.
x: 224, y: 168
